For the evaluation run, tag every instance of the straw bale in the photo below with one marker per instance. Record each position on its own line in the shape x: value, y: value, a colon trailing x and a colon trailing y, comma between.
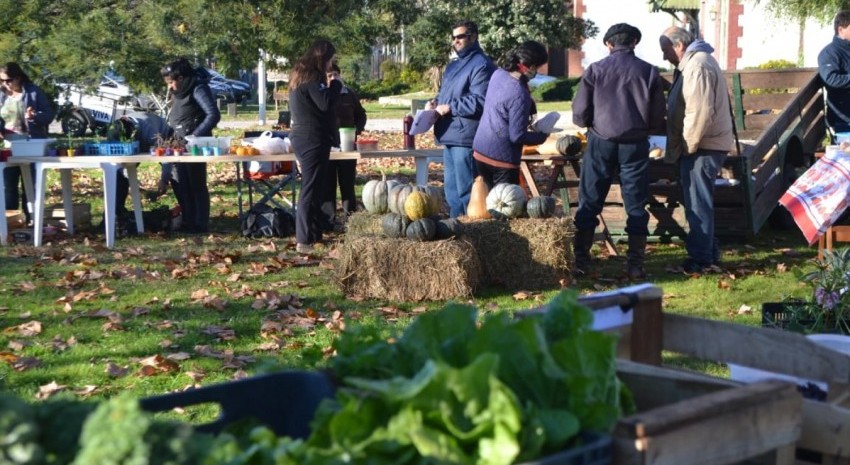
x: 404, y: 270
x: 363, y: 223
x: 522, y: 253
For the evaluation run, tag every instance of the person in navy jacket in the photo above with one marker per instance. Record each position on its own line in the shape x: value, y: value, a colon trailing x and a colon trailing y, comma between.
x: 620, y: 101
x: 193, y: 113
x: 508, y: 110
x: 834, y: 70
x: 460, y: 104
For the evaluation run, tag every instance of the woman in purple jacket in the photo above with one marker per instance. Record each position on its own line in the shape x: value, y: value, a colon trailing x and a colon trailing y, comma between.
x: 508, y: 110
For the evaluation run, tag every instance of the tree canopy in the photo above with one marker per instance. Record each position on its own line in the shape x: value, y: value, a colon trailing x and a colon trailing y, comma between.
x: 78, y: 40
x: 819, y: 10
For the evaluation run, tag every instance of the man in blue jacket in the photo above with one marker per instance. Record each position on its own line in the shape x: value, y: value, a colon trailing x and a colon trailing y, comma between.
x: 460, y: 104
x: 620, y: 101
x: 834, y: 70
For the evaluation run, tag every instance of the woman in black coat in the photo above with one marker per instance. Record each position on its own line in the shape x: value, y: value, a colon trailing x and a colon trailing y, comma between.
x: 312, y: 98
x: 193, y: 113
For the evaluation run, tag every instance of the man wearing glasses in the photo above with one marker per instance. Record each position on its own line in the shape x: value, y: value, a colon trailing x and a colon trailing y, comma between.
x: 460, y: 104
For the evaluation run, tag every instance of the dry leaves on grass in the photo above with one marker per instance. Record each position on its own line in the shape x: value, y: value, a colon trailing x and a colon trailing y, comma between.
x: 28, y: 329
x: 157, y: 364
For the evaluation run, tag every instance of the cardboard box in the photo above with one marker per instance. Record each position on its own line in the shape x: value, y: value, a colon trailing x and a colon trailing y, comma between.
x: 54, y: 215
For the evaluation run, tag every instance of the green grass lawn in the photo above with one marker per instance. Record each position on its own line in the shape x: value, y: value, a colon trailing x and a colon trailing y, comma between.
x: 374, y: 110
x: 162, y: 312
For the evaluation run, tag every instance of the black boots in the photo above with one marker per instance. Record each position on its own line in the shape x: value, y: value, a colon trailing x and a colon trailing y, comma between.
x: 582, y: 243
x: 635, y: 258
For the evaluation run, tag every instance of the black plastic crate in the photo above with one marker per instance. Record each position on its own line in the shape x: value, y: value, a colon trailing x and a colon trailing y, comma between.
x: 782, y: 315
x: 285, y: 402
x: 595, y: 450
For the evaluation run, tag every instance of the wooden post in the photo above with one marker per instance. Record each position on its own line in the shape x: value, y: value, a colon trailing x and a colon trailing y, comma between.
x: 647, y: 332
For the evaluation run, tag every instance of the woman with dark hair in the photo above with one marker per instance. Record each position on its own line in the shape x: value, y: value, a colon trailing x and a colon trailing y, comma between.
x: 313, y: 92
x: 193, y: 113
x: 508, y: 111
x: 27, y: 113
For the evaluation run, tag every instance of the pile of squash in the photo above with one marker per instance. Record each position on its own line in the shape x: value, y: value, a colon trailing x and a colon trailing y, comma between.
x: 506, y: 201
x: 408, y: 210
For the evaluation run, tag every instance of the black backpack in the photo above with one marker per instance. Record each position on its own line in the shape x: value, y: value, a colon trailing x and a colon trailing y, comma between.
x: 264, y: 221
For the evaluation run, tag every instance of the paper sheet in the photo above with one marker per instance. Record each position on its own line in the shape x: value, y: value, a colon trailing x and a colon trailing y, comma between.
x: 657, y: 142
x: 547, y: 123
x: 423, y: 121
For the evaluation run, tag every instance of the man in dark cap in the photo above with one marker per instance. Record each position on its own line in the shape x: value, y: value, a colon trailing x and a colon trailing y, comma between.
x: 620, y: 101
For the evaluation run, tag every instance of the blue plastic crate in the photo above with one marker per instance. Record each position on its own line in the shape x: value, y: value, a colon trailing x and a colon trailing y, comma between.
x: 112, y: 148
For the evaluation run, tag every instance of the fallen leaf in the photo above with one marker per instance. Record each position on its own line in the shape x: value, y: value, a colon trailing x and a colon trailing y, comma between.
x: 86, y: 391
x: 30, y: 328
x: 48, y: 390
x: 723, y: 284
x: 115, y: 371
x: 744, y: 310
x: 158, y: 363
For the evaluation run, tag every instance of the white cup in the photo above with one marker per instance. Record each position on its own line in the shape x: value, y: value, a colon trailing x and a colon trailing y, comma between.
x: 346, y: 139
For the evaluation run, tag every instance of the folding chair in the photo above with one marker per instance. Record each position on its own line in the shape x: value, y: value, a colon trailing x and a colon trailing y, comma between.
x: 274, y: 182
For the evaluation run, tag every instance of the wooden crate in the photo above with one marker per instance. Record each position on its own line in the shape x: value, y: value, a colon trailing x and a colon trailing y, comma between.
x: 54, y: 215
x: 825, y: 426
x: 684, y: 417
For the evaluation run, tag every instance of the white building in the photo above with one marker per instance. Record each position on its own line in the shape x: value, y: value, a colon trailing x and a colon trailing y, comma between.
x: 743, y: 33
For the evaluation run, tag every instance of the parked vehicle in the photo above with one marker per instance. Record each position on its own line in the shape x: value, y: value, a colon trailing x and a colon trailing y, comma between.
x: 240, y: 90
x: 81, y: 109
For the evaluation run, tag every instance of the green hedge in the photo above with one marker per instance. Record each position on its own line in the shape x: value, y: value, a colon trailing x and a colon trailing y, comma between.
x: 556, y: 91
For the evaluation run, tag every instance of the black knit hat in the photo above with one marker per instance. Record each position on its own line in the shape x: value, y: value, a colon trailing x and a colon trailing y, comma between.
x: 622, y: 28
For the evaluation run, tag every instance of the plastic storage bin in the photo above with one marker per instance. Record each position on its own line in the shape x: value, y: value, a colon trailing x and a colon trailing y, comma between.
x: 285, y: 402
x: 31, y: 147
x: 112, y: 148
x: 222, y: 143
x: 595, y: 450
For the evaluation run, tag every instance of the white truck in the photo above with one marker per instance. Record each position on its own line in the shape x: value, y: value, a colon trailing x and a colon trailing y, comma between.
x: 81, y: 109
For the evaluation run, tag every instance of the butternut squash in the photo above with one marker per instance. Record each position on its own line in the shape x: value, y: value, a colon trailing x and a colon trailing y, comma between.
x: 477, y: 208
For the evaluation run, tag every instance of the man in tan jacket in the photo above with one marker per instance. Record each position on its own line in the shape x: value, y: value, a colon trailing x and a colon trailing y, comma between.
x: 699, y: 137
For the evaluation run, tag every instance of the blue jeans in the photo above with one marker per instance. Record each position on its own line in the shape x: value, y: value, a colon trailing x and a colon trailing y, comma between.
x: 598, y: 166
x: 697, y: 174
x: 458, y: 174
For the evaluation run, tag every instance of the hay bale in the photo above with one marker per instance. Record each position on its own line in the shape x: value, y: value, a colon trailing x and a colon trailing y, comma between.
x: 522, y: 253
x: 405, y: 270
x: 363, y: 223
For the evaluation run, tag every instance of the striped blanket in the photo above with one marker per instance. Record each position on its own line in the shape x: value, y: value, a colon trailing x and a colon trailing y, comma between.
x: 819, y: 197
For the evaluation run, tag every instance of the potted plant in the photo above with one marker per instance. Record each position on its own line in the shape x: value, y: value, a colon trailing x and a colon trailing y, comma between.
x: 53, y: 149
x: 827, y: 310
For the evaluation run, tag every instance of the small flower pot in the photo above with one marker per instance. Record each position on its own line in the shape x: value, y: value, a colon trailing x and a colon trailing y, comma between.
x: 71, y: 152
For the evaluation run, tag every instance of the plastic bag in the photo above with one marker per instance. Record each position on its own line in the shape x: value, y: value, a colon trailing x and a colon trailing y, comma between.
x: 267, y: 144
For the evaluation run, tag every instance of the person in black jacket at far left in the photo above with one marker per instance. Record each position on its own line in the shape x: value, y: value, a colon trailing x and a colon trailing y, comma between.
x: 313, y: 93
x: 193, y: 113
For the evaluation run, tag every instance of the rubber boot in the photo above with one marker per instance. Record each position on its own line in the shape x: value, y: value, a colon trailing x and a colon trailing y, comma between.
x: 635, y: 257
x: 582, y: 243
